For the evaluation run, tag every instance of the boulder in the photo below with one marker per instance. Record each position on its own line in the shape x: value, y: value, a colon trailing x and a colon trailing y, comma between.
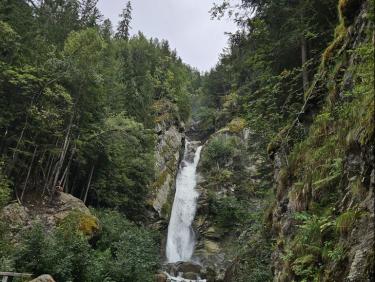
x: 68, y: 203
x: 15, y: 215
x: 43, y: 278
x: 190, y: 276
x: 186, y: 267
x: 50, y: 214
x: 161, y: 277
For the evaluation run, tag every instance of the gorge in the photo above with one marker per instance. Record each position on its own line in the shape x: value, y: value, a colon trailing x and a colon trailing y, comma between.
x: 120, y: 162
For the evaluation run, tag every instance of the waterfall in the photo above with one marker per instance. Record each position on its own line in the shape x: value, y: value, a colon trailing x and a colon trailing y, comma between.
x: 181, y: 238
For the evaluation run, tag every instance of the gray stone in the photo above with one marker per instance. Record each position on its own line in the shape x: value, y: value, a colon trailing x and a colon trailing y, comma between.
x: 190, y: 275
x: 161, y: 277
x: 43, y: 278
x: 186, y: 267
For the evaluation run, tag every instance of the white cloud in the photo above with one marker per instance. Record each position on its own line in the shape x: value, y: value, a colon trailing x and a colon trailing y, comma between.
x: 186, y: 24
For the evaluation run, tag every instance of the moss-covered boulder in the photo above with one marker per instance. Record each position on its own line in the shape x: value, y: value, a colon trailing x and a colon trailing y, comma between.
x: 64, y: 209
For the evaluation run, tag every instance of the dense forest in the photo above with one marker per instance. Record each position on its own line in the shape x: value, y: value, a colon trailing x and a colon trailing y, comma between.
x: 93, y: 116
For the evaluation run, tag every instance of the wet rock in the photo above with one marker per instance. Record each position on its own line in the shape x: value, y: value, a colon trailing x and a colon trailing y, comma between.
x: 161, y: 277
x: 190, y: 275
x: 212, y: 233
x: 186, y: 267
x: 211, y: 246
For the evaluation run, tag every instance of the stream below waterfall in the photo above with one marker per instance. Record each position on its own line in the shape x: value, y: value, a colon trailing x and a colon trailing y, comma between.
x: 181, y: 237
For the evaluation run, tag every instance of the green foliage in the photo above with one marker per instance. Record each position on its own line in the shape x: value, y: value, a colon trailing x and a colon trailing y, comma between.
x: 345, y: 221
x: 80, y: 222
x: 122, y: 251
x: 77, y: 110
x: 127, y: 166
x: 237, y: 125
x: 65, y: 254
x: 133, y: 249
x: 7, y: 251
x: 336, y: 254
x: 260, y: 77
x: 123, y: 28
x: 76, y: 100
x: 5, y: 191
x: 228, y: 212
x: 219, y: 151
x: 8, y: 39
x: 307, y: 251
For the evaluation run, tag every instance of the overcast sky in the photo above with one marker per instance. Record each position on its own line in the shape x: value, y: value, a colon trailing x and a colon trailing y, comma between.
x: 186, y: 24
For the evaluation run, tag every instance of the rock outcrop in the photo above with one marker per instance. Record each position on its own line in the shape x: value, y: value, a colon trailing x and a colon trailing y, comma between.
x: 186, y: 270
x: 168, y: 152
x: 219, y: 184
x: 50, y: 214
x: 323, y: 218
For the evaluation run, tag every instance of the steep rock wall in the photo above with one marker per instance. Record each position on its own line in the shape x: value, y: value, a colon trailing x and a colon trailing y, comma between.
x: 233, y: 180
x: 168, y: 152
x: 323, y: 217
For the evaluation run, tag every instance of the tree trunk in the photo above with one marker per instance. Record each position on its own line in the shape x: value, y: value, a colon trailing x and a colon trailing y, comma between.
x: 28, y: 173
x: 62, y: 155
x: 66, y: 171
x: 88, y: 184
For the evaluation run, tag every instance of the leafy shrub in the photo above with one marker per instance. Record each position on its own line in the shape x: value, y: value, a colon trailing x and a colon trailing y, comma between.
x: 82, y: 222
x: 207, y: 119
x: 65, y: 254
x: 127, y: 165
x: 7, y: 252
x: 124, y: 252
x: 228, y: 212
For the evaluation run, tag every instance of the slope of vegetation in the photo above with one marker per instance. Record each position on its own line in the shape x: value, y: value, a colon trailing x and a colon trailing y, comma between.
x: 310, y: 108
x: 78, y: 106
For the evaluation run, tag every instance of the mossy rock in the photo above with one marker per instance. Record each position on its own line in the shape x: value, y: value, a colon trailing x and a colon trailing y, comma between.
x: 159, y: 182
x: 237, y: 125
x: 329, y: 52
x: 211, y: 247
x: 83, y: 222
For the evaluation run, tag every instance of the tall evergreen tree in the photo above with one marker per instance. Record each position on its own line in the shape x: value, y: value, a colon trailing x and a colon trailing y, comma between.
x: 89, y: 13
x: 123, y: 29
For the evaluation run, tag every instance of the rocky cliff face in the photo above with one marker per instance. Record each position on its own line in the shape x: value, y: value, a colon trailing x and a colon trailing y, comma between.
x: 233, y: 181
x: 323, y: 218
x: 168, y: 152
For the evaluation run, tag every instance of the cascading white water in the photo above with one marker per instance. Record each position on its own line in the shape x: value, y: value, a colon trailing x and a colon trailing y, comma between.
x: 181, y: 239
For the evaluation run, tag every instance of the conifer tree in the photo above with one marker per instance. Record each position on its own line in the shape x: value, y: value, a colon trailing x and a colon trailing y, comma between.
x: 123, y: 28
